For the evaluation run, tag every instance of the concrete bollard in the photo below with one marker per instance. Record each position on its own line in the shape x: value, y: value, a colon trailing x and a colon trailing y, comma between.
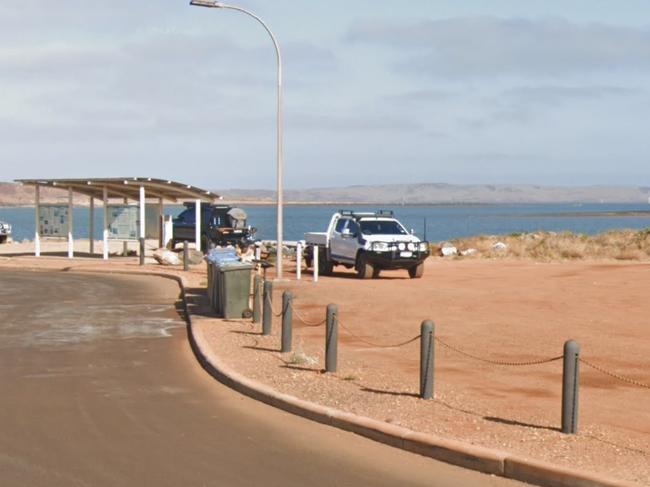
x: 427, y: 356
x: 315, y: 262
x: 257, y: 298
x: 298, y: 260
x: 331, y: 338
x: 186, y: 256
x: 267, y: 317
x: 141, y: 250
x: 570, y: 387
x: 287, y: 321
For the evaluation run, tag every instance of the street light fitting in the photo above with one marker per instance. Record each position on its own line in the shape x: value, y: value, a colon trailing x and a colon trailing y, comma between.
x: 206, y: 3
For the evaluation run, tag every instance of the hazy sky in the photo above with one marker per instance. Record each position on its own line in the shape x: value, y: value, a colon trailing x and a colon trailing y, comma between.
x: 494, y: 91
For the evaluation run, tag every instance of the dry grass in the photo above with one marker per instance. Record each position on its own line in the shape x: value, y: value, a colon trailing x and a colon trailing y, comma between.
x: 633, y: 245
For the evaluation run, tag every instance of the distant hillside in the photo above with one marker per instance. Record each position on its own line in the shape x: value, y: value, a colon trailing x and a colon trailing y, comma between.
x: 12, y: 194
x: 440, y: 193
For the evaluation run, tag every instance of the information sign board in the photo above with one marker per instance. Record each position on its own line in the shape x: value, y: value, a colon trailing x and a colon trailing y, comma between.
x: 53, y: 220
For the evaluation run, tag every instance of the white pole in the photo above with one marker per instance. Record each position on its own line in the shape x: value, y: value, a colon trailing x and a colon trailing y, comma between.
x: 91, y: 226
x: 298, y: 260
x: 280, y: 155
x: 142, y: 210
x: 70, y: 225
x: 37, y: 222
x: 197, y: 225
x: 315, y: 263
x: 125, y: 244
x: 105, y: 230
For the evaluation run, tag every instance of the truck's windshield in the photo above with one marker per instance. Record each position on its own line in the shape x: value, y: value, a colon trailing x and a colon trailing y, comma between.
x: 381, y: 227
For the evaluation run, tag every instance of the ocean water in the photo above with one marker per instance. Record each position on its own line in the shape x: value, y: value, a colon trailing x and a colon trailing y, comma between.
x: 435, y: 223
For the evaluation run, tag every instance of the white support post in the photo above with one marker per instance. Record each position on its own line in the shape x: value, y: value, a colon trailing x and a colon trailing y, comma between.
x: 161, y: 222
x: 91, y: 227
x: 37, y: 221
x: 315, y: 263
x: 197, y: 225
x: 105, y: 230
x: 298, y: 260
x: 70, y: 225
x: 142, y: 212
x: 125, y: 244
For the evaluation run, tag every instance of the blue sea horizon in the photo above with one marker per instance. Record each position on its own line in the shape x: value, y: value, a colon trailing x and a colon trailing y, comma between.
x: 434, y: 223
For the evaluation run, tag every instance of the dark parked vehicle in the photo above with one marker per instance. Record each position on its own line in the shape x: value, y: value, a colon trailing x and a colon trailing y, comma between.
x: 220, y: 225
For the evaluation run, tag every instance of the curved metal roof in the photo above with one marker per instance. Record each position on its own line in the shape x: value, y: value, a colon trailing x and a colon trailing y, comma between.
x: 127, y: 188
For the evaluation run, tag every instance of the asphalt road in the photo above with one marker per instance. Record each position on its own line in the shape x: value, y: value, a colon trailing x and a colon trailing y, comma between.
x: 99, y: 388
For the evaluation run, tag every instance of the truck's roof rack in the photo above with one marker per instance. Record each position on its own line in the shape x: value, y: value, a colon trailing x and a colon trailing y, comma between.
x: 192, y: 204
x: 356, y: 214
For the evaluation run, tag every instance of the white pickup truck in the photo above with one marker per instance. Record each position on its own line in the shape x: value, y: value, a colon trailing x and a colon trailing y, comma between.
x: 369, y: 242
x: 5, y: 232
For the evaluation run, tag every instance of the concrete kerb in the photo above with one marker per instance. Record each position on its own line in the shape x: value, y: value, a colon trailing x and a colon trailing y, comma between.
x: 449, y: 451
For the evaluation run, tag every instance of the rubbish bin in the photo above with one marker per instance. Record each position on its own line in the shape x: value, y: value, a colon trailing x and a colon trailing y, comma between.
x: 234, y: 284
x: 215, y: 258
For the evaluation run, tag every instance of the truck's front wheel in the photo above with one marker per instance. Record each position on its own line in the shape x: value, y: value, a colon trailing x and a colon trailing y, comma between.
x: 417, y: 271
x: 364, y: 269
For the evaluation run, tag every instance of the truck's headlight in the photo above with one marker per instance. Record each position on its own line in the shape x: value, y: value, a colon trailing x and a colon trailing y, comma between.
x: 401, y: 246
x: 380, y: 246
x: 411, y: 246
x: 424, y: 246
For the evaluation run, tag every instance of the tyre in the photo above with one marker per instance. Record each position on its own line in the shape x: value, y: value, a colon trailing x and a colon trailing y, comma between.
x: 417, y: 271
x: 325, y: 265
x: 364, y: 269
x: 375, y: 272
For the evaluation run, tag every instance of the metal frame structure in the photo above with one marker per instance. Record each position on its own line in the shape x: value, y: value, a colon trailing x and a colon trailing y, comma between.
x: 135, y: 188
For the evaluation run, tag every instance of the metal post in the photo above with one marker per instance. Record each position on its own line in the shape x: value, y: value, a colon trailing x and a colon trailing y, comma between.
x: 570, y: 387
x: 143, y: 205
x: 331, y: 338
x: 186, y: 256
x: 125, y: 244
x: 161, y: 222
x: 267, y: 318
x: 37, y: 222
x: 70, y: 225
x: 105, y: 229
x: 426, y: 359
x: 197, y: 225
x: 315, y: 263
x: 280, y: 156
x: 298, y: 260
x: 141, y: 250
x: 287, y: 321
x: 91, y: 227
x: 424, y: 237
x: 257, y: 299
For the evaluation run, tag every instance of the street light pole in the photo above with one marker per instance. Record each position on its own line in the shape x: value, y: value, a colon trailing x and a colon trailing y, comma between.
x: 280, y: 197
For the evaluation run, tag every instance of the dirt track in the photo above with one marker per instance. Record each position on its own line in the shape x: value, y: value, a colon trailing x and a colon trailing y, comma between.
x: 499, y: 310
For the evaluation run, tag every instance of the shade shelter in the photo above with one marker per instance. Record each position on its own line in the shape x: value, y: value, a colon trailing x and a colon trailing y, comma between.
x: 125, y: 189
